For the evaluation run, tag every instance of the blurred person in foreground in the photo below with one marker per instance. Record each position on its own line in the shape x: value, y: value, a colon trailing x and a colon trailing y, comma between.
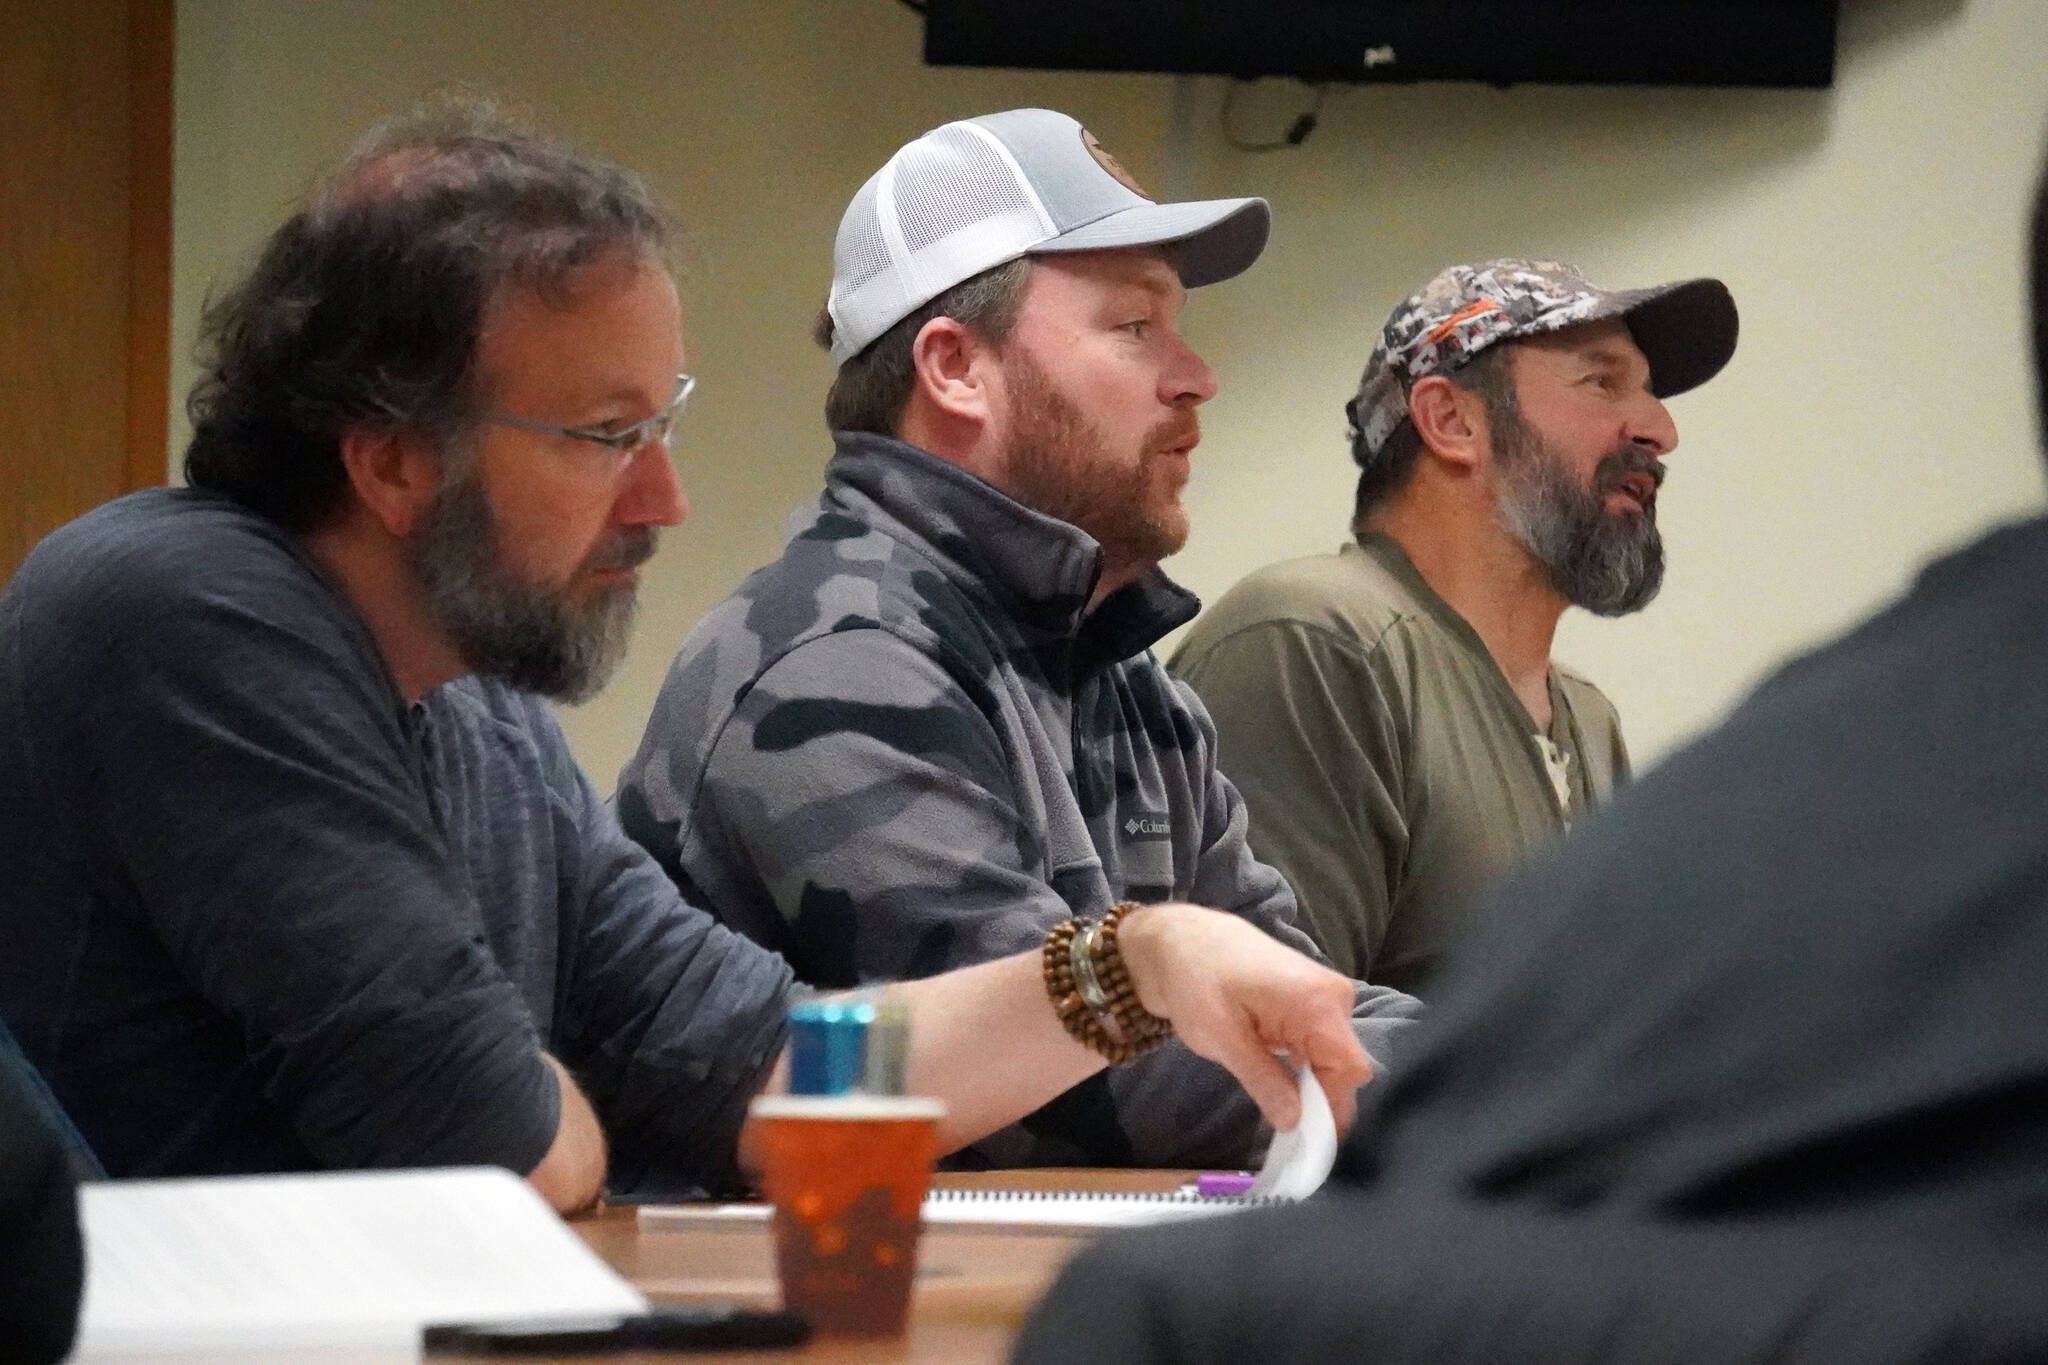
x: 42, y: 1247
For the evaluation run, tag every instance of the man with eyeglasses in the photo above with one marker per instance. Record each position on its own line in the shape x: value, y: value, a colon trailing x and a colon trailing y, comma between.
x: 300, y: 871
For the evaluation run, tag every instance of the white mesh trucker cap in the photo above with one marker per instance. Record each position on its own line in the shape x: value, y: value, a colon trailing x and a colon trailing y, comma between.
x: 968, y: 196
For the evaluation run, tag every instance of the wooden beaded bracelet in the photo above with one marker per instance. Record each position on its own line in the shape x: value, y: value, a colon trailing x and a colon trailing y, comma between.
x: 1133, y: 1020
x: 1092, y: 992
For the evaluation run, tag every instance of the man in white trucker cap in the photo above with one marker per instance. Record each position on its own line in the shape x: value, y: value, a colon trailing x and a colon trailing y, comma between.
x: 974, y: 194
x: 934, y: 728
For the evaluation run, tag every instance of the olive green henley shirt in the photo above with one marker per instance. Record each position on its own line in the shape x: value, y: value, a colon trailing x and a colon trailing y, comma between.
x: 1390, y: 770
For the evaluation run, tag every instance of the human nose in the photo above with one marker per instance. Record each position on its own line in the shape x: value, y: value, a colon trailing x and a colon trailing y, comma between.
x: 652, y: 491
x: 1651, y: 428
x: 1188, y: 379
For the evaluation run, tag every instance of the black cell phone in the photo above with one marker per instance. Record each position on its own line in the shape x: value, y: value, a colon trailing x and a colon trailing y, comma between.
x: 710, y: 1327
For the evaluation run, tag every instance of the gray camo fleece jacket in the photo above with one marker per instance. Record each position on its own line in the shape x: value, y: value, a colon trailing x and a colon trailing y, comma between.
x: 907, y: 745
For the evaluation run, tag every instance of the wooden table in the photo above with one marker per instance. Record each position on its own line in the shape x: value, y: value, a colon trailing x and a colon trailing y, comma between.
x: 973, y: 1288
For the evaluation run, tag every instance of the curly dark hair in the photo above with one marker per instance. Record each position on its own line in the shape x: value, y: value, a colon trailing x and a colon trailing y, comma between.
x: 366, y: 305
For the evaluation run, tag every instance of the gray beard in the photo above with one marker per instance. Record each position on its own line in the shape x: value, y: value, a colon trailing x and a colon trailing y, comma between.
x: 527, y: 635
x: 1608, y: 563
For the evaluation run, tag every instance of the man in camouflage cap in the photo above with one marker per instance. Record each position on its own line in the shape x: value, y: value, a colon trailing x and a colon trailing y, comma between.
x: 934, y: 728
x: 1392, y: 712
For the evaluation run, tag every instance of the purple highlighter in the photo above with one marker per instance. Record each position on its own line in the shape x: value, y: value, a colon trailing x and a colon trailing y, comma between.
x: 1223, y: 1182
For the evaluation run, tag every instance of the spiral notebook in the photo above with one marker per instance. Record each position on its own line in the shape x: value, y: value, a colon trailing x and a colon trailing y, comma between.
x: 1296, y: 1165
x: 1077, y: 1210
x: 1053, y: 1211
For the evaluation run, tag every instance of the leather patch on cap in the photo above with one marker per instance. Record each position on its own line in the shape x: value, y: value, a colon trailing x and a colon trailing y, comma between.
x: 1112, y: 165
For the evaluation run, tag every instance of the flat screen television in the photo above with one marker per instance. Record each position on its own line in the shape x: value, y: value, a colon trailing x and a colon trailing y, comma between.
x: 1502, y: 42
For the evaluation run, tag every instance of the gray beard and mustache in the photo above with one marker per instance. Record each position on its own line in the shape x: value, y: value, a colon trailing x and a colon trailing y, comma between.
x: 532, y: 636
x: 1610, y: 563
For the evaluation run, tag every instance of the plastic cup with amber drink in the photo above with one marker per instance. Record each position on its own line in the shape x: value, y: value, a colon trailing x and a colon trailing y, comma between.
x: 847, y: 1175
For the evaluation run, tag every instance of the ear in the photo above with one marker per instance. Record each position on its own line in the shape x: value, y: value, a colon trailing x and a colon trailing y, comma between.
x: 945, y: 357
x: 394, y: 474
x: 1451, y: 421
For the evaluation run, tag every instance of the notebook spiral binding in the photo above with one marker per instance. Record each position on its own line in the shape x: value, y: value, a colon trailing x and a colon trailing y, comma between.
x: 955, y: 1195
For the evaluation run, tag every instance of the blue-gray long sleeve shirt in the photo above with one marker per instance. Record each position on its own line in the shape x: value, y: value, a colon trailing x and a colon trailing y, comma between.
x: 262, y: 914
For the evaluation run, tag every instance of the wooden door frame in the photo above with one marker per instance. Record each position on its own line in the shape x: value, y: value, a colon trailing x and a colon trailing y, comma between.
x: 151, y: 25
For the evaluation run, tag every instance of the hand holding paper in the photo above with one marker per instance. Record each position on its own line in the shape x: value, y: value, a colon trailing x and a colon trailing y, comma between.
x: 1237, y: 996
x: 1300, y: 1158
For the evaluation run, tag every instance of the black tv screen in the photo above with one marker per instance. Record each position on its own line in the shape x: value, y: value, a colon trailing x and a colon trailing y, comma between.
x: 1625, y: 42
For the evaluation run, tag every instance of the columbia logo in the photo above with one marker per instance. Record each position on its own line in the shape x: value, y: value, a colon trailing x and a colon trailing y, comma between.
x: 1147, y: 827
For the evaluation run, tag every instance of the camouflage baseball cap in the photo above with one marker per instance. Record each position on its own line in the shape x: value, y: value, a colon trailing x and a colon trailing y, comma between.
x: 1685, y: 330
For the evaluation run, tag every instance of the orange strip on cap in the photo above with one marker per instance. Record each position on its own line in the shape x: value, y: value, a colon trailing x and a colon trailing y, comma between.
x: 1471, y: 310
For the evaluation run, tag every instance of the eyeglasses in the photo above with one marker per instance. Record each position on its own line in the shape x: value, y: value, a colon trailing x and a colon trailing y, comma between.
x: 623, y: 442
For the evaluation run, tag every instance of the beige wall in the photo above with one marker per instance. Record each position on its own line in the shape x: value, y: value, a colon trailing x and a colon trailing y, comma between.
x: 1877, y: 411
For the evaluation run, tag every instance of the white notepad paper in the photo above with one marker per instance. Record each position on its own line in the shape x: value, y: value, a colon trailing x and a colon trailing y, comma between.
x: 343, y: 1265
